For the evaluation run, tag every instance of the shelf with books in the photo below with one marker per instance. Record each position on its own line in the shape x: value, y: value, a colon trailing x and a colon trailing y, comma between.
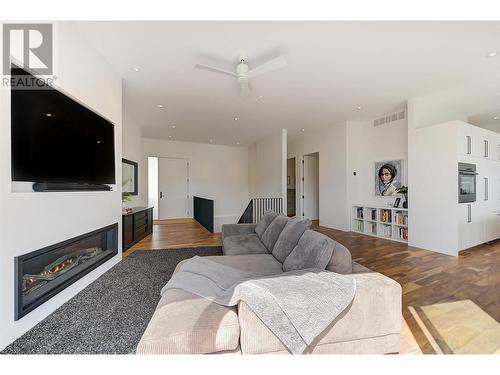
x: 371, y: 228
x: 358, y: 225
x: 385, y: 215
x: 358, y: 212
x: 384, y: 222
x: 384, y: 230
x: 400, y: 218
x: 401, y: 233
x: 371, y: 213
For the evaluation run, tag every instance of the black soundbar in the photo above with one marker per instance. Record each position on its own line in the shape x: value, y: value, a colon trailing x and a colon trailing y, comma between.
x: 50, y: 186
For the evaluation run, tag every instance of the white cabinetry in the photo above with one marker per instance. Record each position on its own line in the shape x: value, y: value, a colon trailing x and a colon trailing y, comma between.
x: 492, y: 220
x: 476, y: 142
x: 439, y: 222
x: 479, y: 221
x: 471, y: 228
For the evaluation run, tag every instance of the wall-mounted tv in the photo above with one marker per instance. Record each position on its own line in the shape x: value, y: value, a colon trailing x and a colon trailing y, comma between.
x: 58, y: 140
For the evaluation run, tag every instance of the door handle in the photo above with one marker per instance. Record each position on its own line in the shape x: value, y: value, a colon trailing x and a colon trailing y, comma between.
x: 486, y: 188
x: 469, y: 213
x: 161, y: 195
x: 469, y: 144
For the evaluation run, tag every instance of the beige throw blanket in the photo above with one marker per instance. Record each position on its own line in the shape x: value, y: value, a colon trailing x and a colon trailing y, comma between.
x: 296, y: 306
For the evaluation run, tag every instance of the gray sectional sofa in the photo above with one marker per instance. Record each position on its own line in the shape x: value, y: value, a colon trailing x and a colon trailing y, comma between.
x: 184, y: 323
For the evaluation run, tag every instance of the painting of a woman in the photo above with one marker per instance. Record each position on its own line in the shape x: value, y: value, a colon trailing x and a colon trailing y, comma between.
x: 388, y: 177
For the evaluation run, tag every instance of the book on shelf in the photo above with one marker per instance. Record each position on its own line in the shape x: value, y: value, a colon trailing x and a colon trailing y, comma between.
x: 401, y: 218
x: 359, y: 212
x: 385, y: 216
x: 403, y: 234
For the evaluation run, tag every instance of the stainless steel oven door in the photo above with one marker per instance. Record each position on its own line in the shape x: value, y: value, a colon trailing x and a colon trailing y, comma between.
x: 467, y: 183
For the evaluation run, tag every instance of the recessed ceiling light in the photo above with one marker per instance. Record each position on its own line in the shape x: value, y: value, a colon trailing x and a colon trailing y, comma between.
x: 492, y: 54
x: 496, y: 118
x: 359, y: 107
x: 160, y: 105
x: 302, y: 130
x: 135, y: 69
x: 48, y: 114
x: 236, y: 119
x: 169, y: 136
x: 261, y: 96
x: 173, y: 126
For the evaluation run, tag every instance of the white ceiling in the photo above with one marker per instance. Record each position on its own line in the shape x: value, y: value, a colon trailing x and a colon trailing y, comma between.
x: 334, y: 67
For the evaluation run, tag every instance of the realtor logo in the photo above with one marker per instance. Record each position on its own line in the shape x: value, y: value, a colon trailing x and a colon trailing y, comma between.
x: 28, y: 44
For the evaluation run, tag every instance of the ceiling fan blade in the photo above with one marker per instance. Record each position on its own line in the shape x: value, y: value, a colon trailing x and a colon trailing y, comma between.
x: 269, y: 66
x: 215, y: 70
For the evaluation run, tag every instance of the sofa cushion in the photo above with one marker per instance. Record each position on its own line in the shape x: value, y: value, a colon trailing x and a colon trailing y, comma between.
x: 261, y: 227
x: 289, y: 237
x: 273, y: 231
x: 261, y: 263
x: 314, y: 250
x: 341, y: 260
x: 244, y: 244
x: 184, y: 323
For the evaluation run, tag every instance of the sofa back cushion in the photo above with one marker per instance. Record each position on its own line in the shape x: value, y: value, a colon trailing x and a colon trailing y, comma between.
x: 289, y: 237
x: 341, y: 260
x: 313, y: 250
x: 261, y: 227
x: 273, y: 231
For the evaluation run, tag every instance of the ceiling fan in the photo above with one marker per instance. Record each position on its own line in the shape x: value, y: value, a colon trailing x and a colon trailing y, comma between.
x: 243, y: 73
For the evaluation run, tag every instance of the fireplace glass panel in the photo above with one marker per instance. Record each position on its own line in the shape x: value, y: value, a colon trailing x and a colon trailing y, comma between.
x: 44, y: 273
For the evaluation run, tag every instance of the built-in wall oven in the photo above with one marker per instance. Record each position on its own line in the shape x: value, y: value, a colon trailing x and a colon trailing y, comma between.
x: 466, y: 182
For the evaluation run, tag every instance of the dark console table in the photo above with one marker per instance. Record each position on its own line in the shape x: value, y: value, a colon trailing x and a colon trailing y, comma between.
x: 136, y: 225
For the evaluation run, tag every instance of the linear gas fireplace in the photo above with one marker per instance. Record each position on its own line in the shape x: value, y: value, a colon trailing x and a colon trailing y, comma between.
x: 43, y: 273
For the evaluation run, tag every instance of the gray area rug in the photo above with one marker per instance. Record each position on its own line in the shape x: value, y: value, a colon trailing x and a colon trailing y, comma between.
x: 111, y: 314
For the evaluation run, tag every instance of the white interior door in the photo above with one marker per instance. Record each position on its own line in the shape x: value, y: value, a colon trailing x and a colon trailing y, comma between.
x: 173, y: 192
x: 311, y: 187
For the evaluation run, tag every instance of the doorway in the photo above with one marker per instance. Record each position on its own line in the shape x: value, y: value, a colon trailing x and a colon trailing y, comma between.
x: 310, y: 186
x: 291, y: 182
x: 171, y: 195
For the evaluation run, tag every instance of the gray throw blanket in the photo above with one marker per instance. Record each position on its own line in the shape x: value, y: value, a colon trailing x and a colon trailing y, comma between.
x: 296, y: 306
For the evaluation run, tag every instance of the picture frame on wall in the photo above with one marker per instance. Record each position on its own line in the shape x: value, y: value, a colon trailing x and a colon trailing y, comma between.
x: 388, y: 177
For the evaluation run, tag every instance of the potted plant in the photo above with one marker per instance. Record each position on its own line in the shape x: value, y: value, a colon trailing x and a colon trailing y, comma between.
x: 403, y: 190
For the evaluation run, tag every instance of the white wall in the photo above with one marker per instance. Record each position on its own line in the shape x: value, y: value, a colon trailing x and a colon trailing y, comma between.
x: 215, y: 172
x: 432, y: 152
x: 267, y: 166
x: 29, y: 220
x: 433, y: 181
x: 368, y: 144
x: 131, y: 150
x: 331, y: 143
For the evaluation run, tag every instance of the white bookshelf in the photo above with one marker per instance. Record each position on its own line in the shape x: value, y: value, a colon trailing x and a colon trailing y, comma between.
x: 385, y: 222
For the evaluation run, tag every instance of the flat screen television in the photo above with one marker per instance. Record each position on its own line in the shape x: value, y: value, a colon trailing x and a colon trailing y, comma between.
x: 55, y: 139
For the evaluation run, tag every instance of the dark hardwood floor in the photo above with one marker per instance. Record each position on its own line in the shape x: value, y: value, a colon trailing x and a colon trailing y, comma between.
x: 450, y: 300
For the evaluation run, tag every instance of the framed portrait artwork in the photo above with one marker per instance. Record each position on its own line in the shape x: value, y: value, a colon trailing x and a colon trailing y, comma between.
x: 388, y: 177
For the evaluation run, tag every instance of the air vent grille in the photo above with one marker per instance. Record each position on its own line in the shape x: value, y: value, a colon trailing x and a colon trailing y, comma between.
x: 390, y: 118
